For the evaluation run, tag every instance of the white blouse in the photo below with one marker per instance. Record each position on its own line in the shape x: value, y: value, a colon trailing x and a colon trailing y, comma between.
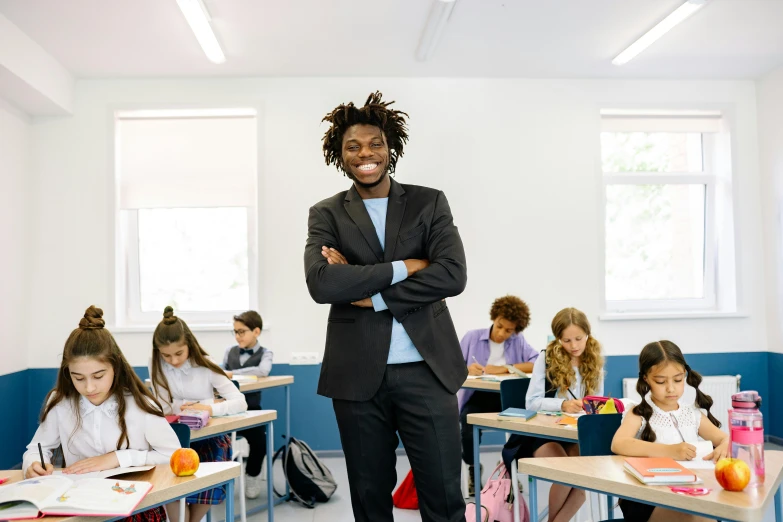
x: 535, y: 399
x: 190, y: 383
x: 150, y: 438
x: 671, y: 427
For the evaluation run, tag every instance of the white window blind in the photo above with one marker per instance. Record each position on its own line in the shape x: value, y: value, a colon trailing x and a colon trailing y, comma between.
x: 186, y: 162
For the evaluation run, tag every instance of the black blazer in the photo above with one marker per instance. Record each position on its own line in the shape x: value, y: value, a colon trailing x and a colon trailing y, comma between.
x: 418, y: 226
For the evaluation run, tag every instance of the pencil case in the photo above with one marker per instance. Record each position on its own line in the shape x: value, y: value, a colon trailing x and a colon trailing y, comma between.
x: 594, y: 404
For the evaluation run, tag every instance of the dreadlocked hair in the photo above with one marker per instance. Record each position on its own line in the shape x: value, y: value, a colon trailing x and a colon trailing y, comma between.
x: 653, y: 355
x: 375, y: 112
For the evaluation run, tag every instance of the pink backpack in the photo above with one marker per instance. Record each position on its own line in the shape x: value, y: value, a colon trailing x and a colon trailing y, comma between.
x: 496, y: 503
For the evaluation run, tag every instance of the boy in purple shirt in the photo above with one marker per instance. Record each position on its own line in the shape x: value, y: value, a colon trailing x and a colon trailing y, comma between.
x: 488, y: 350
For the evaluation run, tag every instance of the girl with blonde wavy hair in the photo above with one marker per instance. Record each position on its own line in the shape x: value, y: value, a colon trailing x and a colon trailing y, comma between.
x: 572, y: 368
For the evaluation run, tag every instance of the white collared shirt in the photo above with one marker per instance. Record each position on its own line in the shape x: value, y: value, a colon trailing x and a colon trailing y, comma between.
x: 673, y: 427
x: 190, y: 383
x: 150, y: 438
x: 535, y: 398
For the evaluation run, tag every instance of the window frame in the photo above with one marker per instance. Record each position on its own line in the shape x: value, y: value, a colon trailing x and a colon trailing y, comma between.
x: 706, y: 177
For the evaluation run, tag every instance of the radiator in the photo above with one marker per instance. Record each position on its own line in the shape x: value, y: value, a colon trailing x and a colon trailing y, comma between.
x: 719, y: 387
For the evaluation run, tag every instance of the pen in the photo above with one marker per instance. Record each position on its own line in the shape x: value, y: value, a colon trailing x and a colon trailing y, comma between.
x: 475, y: 361
x: 572, y: 394
x: 40, y: 452
x: 676, y: 425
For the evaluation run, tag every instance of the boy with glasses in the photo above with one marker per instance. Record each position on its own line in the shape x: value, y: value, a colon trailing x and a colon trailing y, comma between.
x: 248, y: 357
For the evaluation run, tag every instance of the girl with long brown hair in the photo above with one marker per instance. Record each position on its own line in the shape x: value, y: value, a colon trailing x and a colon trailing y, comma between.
x: 184, y: 377
x: 100, y: 412
x: 571, y: 368
x: 662, y: 427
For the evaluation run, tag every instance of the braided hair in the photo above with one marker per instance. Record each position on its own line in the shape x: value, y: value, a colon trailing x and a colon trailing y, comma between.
x: 653, y: 355
x: 375, y: 112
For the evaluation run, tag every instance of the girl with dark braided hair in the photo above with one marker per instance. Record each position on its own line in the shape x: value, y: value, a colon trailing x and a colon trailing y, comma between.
x: 662, y: 427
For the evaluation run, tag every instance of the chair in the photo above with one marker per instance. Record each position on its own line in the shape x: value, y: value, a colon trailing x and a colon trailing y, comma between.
x: 595, y: 434
x: 513, y: 392
x: 183, y: 434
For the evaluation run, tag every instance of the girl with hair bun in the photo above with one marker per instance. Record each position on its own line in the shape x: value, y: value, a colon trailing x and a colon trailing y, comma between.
x: 184, y: 377
x: 100, y: 412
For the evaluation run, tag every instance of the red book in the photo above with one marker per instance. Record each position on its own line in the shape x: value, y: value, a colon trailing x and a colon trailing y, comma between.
x: 659, y: 471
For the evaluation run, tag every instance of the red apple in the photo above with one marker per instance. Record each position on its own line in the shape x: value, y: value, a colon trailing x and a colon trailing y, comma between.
x: 732, y: 474
x: 184, y: 462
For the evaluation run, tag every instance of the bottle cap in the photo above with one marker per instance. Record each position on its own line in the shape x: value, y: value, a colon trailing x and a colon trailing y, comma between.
x: 746, y: 400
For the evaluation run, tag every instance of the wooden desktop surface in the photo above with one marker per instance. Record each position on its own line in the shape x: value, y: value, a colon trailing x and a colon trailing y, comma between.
x: 165, y: 485
x: 606, y: 475
x: 266, y: 382
x: 540, y: 425
x: 220, y: 425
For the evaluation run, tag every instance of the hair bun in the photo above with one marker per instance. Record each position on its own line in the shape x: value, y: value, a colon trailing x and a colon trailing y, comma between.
x: 168, y: 316
x: 93, y: 319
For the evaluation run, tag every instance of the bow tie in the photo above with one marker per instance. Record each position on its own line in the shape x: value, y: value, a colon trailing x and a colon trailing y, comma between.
x: 245, y: 351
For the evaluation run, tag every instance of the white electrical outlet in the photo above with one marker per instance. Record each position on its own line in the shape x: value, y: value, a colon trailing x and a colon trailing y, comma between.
x: 304, y: 358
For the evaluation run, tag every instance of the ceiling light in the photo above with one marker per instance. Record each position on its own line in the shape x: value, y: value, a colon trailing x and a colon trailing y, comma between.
x: 436, y: 23
x: 198, y: 18
x: 663, y: 27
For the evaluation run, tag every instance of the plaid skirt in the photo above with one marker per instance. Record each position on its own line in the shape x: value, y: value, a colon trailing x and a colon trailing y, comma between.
x: 157, y: 514
x: 215, y: 449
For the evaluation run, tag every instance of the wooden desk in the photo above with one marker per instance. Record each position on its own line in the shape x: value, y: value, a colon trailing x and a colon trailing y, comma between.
x: 606, y: 475
x: 273, y: 381
x: 484, y: 385
x: 223, y: 425
x: 166, y: 487
x: 539, y: 426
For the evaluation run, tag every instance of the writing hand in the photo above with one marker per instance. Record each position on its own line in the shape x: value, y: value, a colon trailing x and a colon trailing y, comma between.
x: 475, y: 369
x: 35, y: 470
x: 572, y: 406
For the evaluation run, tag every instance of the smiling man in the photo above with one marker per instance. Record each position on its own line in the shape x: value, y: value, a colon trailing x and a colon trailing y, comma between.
x: 385, y: 256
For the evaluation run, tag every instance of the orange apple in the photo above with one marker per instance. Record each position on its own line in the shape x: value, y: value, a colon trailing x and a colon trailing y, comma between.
x: 732, y: 474
x: 184, y: 462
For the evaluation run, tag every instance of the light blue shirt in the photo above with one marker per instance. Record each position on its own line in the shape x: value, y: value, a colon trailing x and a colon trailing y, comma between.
x: 402, y: 349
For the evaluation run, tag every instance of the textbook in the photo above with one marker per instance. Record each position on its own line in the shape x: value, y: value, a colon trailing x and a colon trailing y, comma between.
x: 517, y: 414
x: 114, y: 472
x: 659, y: 471
x: 59, y: 495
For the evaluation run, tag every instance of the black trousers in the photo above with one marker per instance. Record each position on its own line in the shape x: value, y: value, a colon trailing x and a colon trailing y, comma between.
x: 479, y: 402
x: 256, y: 438
x: 412, y: 402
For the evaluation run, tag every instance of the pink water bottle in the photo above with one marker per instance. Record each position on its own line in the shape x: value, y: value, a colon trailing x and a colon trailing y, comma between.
x: 746, y: 430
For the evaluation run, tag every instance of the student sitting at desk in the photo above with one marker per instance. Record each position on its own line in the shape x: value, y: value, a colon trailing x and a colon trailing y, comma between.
x: 184, y: 377
x: 572, y: 368
x: 248, y: 357
x: 100, y: 413
x: 488, y: 350
x: 661, y: 427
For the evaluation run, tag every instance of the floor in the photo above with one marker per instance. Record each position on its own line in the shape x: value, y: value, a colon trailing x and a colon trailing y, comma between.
x: 338, y: 509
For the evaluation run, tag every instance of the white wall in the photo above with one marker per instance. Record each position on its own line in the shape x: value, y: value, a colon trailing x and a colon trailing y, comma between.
x: 518, y: 159
x: 14, y: 229
x: 770, y: 116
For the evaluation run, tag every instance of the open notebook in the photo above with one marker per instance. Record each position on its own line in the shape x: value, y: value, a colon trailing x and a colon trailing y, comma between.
x: 59, y: 495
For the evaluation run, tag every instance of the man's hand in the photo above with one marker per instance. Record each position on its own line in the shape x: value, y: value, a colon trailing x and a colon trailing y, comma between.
x: 414, y: 265
x: 364, y: 303
x: 108, y: 461
x: 333, y: 256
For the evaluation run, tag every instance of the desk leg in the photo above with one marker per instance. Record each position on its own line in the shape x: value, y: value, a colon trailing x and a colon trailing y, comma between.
x: 230, y: 499
x: 778, y: 506
x: 270, y: 499
x: 610, y: 507
x: 515, y: 491
x: 533, y: 500
x: 287, y: 434
x: 477, y: 470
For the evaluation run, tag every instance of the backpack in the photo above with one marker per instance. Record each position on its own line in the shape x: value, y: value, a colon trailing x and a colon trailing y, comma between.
x: 309, y: 478
x: 405, y: 497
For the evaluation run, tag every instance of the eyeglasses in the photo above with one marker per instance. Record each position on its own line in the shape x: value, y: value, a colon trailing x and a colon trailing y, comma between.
x: 241, y: 332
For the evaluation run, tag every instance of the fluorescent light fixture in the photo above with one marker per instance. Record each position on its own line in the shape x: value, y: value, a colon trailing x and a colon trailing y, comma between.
x: 436, y: 23
x: 198, y: 18
x: 663, y: 27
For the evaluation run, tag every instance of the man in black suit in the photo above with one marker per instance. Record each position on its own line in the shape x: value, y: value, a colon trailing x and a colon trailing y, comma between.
x: 385, y: 256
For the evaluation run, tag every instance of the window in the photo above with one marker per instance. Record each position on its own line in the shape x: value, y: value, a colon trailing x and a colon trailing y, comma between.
x: 186, y: 218
x: 661, y: 188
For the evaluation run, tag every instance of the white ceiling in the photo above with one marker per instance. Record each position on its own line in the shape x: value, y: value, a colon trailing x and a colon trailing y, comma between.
x: 727, y: 39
